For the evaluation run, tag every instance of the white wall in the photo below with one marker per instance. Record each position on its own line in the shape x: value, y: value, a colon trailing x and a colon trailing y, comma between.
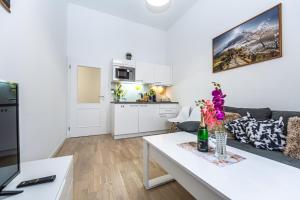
x: 95, y: 38
x: 33, y: 53
x: 272, y: 83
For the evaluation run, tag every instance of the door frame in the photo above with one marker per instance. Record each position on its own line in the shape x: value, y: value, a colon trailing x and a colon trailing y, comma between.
x: 69, y: 96
x: 69, y: 105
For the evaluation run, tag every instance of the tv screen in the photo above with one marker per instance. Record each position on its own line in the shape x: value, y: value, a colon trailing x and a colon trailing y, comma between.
x: 9, y: 133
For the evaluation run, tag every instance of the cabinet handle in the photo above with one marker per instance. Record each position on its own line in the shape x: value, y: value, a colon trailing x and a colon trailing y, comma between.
x: 168, y: 110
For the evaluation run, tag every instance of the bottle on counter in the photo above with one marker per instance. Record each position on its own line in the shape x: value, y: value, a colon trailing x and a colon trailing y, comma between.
x: 202, y: 144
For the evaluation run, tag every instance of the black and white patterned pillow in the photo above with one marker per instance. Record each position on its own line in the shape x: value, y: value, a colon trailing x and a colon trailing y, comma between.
x: 237, y: 127
x: 266, y: 134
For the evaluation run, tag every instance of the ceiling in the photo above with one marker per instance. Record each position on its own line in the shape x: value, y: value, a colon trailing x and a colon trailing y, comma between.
x: 136, y: 10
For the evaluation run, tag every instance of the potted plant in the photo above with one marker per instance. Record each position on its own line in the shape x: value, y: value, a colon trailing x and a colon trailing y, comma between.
x: 118, y: 92
x: 152, y: 94
x: 128, y: 56
x: 138, y: 88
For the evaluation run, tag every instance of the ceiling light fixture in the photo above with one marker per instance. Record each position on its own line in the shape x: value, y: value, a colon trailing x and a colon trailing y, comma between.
x: 158, y: 6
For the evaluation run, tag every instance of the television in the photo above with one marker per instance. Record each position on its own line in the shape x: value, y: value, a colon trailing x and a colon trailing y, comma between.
x: 9, y: 135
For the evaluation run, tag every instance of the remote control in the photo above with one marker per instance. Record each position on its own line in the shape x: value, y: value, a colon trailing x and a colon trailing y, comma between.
x: 37, y: 181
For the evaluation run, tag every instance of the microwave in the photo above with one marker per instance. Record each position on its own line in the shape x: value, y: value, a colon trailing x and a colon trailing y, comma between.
x: 121, y: 73
x: 123, y: 70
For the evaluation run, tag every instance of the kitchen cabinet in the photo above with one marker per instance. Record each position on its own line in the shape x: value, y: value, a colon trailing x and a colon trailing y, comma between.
x: 163, y: 75
x: 144, y: 72
x: 126, y: 119
x: 153, y: 73
x: 166, y: 111
x: 163, y: 123
x: 149, y: 119
x: 138, y: 119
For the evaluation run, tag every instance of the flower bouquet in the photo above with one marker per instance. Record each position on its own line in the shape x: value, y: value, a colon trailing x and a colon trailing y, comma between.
x: 212, y: 112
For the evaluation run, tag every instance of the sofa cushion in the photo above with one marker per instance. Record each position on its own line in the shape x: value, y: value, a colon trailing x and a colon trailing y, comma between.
x: 257, y: 113
x: 286, y: 115
x: 267, y: 134
x: 237, y: 127
x: 229, y: 117
x: 273, y: 155
x: 190, y: 126
x: 293, y: 138
x: 193, y: 126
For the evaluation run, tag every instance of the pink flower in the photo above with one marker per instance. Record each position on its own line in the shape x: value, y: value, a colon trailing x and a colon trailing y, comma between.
x: 213, y: 111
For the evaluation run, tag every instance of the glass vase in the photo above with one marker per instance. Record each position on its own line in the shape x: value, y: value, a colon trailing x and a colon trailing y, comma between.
x: 116, y: 99
x: 221, y: 140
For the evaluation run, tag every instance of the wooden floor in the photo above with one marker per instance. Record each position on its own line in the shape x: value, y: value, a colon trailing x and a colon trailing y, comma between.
x: 113, y: 169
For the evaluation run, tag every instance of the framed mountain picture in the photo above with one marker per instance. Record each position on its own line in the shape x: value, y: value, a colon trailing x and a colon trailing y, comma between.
x: 5, y: 4
x: 256, y: 40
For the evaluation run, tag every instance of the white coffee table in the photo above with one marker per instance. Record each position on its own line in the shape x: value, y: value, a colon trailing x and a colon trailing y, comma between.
x: 254, y: 178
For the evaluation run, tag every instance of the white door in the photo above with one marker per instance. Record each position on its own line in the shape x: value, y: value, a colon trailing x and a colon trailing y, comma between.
x: 126, y: 119
x: 87, y: 114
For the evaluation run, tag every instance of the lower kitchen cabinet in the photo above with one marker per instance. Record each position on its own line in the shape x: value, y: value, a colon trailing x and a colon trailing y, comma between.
x: 149, y: 118
x: 125, y: 119
x: 138, y: 119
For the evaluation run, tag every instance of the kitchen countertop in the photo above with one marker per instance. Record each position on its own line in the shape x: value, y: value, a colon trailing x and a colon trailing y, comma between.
x: 133, y: 102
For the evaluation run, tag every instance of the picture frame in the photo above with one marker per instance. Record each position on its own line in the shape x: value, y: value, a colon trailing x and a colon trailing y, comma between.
x: 256, y: 40
x: 5, y: 4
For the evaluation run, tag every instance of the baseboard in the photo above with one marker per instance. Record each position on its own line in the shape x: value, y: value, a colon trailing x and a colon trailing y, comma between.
x: 79, y: 136
x: 57, y: 149
x: 116, y: 137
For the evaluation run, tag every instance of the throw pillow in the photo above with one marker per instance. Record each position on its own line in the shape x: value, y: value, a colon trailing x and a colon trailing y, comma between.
x: 286, y: 116
x: 237, y: 128
x: 193, y: 126
x: 189, y: 126
x: 293, y: 138
x: 229, y: 117
x: 267, y: 134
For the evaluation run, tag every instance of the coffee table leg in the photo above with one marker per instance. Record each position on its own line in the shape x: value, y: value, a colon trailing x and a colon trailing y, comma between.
x: 152, y: 183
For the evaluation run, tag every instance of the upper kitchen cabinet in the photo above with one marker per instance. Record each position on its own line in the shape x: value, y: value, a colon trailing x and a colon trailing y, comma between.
x: 154, y: 73
x: 163, y: 75
x: 145, y: 72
